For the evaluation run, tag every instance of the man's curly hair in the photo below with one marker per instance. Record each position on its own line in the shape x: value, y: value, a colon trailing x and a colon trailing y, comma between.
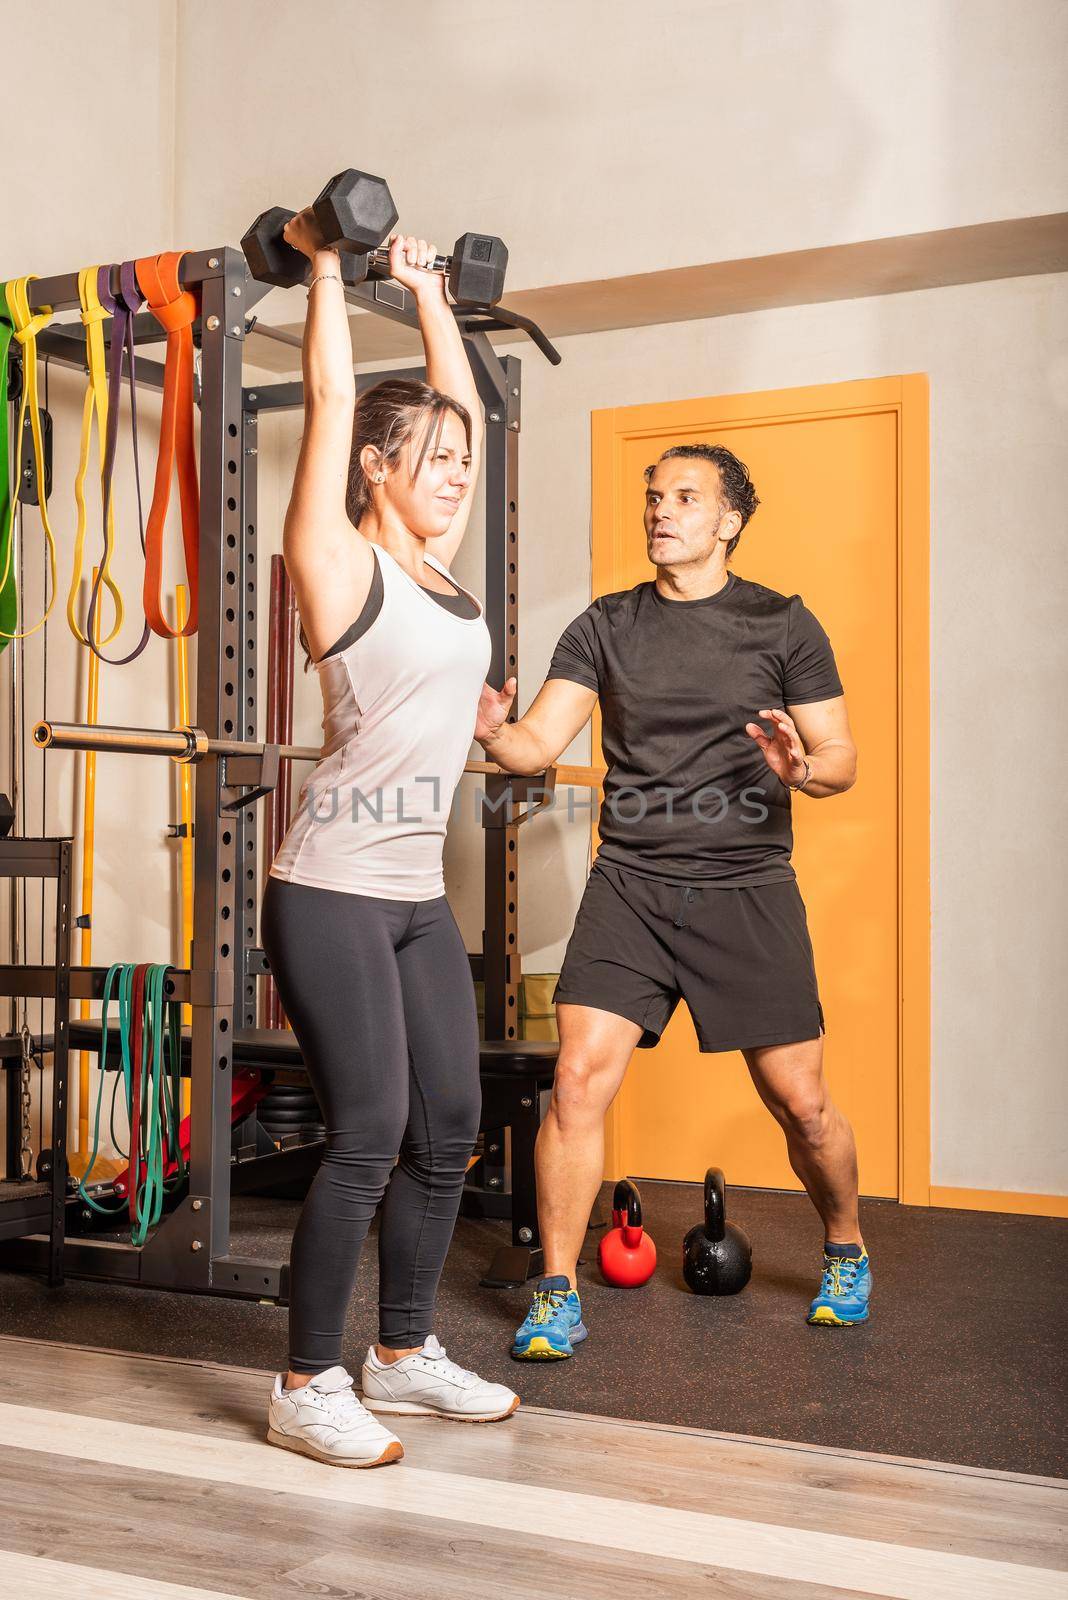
x: 738, y: 493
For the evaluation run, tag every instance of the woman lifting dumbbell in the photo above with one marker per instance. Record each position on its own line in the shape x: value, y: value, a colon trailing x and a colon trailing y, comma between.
x: 368, y: 960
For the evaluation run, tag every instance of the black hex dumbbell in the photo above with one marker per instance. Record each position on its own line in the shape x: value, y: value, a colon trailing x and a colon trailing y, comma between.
x: 354, y: 213
x: 475, y: 270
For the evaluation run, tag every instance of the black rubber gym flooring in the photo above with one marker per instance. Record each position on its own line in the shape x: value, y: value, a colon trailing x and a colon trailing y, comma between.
x: 963, y: 1359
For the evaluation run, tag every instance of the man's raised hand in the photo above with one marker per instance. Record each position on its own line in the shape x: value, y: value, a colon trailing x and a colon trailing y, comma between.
x: 783, y: 750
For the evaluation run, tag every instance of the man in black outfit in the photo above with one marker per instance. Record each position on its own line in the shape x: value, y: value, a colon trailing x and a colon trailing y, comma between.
x: 719, y: 698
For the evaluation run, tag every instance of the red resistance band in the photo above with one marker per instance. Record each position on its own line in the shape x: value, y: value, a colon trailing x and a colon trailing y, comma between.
x: 175, y: 309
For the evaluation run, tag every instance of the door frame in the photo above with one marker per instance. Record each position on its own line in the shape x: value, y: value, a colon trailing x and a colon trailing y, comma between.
x: 906, y: 398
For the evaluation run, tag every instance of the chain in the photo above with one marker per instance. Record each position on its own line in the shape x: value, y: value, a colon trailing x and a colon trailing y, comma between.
x: 26, y: 1104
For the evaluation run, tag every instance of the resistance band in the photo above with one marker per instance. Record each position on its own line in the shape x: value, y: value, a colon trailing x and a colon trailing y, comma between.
x: 26, y: 325
x: 175, y: 310
x: 96, y: 405
x: 137, y: 1040
x: 149, y: 1027
x: 9, y: 605
x: 85, y: 921
x: 123, y: 310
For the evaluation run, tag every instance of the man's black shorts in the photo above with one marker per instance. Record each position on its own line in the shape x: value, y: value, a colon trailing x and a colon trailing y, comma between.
x: 741, y: 959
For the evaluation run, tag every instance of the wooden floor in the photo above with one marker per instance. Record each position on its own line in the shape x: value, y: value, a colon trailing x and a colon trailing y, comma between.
x: 141, y: 1477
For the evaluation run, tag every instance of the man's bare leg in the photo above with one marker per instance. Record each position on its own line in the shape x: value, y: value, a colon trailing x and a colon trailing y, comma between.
x: 595, y: 1047
x: 789, y: 1079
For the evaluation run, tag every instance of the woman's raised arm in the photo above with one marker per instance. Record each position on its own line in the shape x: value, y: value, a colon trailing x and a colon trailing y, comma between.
x: 326, y: 560
x: 447, y: 367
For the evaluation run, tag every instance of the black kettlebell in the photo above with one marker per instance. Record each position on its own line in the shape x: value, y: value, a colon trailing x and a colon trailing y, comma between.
x: 717, y: 1257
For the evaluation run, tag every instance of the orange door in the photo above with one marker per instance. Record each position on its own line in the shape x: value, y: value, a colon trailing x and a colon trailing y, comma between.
x: 827, y: 463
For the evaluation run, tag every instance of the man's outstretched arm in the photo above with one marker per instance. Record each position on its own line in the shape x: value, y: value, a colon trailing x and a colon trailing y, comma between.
x: 561, y: 710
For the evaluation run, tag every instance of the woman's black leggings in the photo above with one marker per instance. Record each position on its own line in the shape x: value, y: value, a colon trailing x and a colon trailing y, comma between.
x: 380, y: 997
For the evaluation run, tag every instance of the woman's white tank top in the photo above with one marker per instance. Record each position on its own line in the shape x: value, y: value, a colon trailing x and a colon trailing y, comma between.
x: 399, y: 709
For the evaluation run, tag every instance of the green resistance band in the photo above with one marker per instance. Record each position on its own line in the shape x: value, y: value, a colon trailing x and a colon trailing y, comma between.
x: 161, y: 1092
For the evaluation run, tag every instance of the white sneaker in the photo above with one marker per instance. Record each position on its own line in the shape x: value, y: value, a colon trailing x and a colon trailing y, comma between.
x: 428, y: 1384
x: 325, y: 1420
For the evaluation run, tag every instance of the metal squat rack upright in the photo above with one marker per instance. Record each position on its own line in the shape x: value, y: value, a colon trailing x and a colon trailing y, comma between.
x: 190, y: 1248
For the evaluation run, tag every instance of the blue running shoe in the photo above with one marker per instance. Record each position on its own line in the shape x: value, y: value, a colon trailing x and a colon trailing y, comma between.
x: 844, y: 1291
x: 552, y: 1325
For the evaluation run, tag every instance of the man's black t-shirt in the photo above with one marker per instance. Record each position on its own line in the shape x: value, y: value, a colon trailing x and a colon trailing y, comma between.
x: 688, y: 796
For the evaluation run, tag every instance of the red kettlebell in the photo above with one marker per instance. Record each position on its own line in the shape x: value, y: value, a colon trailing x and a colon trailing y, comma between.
x: 626, y: 1254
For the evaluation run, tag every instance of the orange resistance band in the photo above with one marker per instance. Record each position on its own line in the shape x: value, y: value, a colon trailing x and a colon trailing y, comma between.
x: 175, y: 309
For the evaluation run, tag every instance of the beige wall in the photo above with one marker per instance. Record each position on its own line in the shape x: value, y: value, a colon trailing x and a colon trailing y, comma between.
x: 603, y: 137
x: 87, y: 116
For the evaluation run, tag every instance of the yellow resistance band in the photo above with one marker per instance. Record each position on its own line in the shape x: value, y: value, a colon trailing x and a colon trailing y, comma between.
x: 27, y: 326
x: 96, y: 403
